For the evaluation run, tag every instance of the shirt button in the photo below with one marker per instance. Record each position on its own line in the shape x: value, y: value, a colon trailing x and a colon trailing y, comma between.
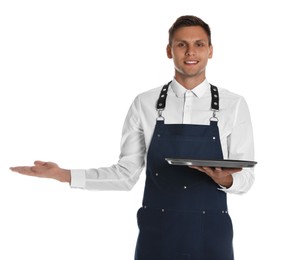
x: 185, y: 187
x: 156, y: 174
x: 163, y: 210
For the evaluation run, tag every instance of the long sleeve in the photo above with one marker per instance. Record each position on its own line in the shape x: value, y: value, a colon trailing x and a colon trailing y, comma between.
x: 241, y: 147
x: 124, y: 174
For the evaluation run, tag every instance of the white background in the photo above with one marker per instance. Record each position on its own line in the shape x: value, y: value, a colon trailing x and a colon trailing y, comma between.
x: 69, y: 71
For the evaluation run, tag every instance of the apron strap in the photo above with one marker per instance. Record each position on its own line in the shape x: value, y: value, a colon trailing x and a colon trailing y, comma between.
x: 215, y: 102
x: 215, y: 98
x: 161, y: 103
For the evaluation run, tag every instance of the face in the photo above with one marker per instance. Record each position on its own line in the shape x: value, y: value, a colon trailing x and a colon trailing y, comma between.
x: 190, y: 51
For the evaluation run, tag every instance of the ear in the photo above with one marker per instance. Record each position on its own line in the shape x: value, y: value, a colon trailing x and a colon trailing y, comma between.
x: 169, y: 51
x: 211, y: 52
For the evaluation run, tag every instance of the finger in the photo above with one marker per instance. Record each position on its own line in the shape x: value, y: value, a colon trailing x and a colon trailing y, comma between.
x: 233, y: 170
x: 211, y: 172
x: 39, y: 163
x: 16, y: 169
x: 197, y: 168
x: 208, y: 170
x: 22, y: 169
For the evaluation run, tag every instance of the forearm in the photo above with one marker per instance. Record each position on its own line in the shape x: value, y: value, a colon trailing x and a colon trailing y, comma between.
x: 116, y: 177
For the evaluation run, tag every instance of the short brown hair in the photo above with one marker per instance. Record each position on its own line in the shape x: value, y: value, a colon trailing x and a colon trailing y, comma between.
x: 189, y: 20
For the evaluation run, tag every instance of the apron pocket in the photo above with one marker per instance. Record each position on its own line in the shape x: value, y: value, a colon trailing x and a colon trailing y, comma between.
x: 149, y: 243
x: 218, y: 234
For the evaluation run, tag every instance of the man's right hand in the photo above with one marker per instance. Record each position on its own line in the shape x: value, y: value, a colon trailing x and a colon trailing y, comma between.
x: 44, y: 170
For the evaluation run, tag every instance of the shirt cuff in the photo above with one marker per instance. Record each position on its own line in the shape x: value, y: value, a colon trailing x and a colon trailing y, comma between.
x: 78, y: 179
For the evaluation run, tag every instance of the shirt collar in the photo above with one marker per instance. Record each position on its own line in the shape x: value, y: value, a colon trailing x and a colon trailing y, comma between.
x: 198, y: 91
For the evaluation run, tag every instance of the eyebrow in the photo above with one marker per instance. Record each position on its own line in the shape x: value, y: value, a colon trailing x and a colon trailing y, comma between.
x: 196, y: 41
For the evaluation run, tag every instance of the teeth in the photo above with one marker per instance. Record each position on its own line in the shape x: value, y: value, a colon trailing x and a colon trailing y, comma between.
x: 191, y: 62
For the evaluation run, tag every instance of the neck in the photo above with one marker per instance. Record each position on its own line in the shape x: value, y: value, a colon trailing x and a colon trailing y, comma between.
x: 190, y: 82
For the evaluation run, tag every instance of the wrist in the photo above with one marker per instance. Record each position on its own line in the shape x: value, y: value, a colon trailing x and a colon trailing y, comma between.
x: 225, y: 181
x: 64, y: 175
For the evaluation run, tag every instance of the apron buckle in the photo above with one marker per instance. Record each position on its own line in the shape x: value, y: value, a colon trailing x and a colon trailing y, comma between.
x: 214, y: 117
x: 160, y: 117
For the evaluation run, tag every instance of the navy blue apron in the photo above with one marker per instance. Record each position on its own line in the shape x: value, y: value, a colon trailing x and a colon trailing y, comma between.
x: 184, y: 216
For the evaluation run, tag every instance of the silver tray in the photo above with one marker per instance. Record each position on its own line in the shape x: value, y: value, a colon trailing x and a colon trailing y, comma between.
x: 212, y: 163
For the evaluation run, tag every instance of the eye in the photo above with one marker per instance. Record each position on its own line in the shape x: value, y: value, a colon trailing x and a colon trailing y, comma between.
x: 181, y: 44
x: 200, y: 44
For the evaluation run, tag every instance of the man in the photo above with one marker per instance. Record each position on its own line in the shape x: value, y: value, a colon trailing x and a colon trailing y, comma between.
x: 184, y: 213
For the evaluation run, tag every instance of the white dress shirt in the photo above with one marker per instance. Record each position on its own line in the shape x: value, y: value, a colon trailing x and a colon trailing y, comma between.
x: 182, y: 107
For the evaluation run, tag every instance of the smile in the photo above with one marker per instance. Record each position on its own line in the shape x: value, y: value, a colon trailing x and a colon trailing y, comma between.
x: 191, y: 62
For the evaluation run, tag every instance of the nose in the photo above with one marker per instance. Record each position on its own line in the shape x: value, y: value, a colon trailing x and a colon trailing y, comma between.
x: 189, y: 51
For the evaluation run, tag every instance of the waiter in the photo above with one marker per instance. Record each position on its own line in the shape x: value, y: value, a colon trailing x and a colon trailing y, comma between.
x: 184, y: 213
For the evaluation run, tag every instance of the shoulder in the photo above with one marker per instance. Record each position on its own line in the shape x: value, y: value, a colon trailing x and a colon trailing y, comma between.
x: 152, y: 92
x: 225, y: 93
x: 228, y: 96
x: 232, y: 102
x: 148, y: 97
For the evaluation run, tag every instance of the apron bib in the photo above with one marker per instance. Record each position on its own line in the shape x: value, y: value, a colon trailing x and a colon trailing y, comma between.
x: 184, y: 215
